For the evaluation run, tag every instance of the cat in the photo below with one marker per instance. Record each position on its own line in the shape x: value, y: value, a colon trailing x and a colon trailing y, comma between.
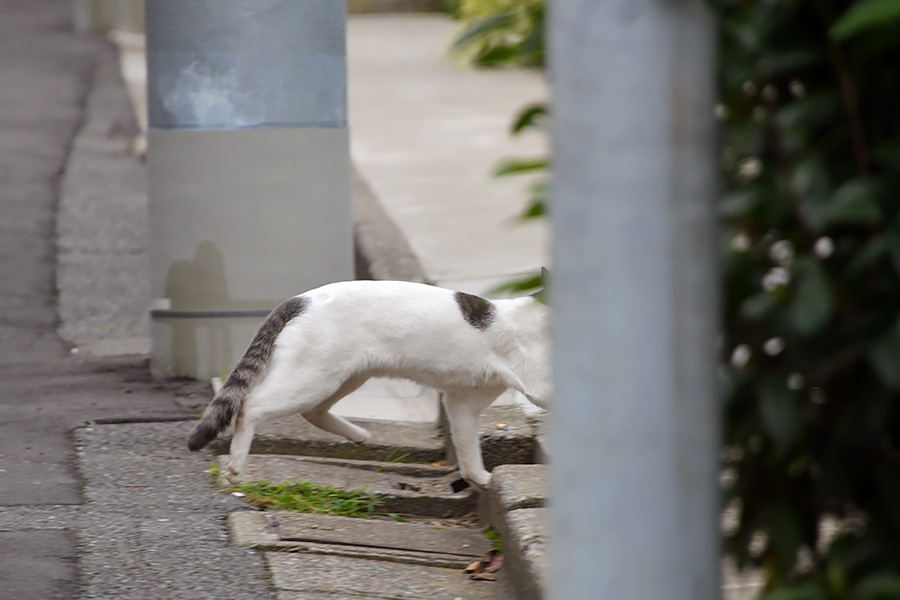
x: 315, y: 348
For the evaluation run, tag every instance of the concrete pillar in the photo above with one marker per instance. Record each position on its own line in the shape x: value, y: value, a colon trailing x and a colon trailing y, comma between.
x: 634, y: 430
x: 249, y: 174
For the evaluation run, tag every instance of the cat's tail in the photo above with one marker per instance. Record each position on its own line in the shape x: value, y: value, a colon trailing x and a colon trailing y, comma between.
x: 227, y: 403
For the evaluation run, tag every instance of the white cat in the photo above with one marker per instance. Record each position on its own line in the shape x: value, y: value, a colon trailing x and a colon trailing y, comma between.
x: 317, y: 347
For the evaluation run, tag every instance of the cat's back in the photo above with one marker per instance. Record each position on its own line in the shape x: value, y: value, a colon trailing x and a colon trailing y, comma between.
x: 378, y: 291
x: 406, y: 304
x: 382, y: 299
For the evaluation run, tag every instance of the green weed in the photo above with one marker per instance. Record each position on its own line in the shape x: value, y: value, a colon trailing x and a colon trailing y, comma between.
x: 491, y: 534
x: 308, y: 497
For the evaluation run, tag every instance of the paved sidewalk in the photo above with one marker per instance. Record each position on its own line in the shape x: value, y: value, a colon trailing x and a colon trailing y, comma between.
x: 131, y: 515
x: 426, y: 134
x: 47, y: 75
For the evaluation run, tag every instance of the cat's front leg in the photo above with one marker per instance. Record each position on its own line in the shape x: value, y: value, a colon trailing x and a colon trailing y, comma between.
x: 463, y: 408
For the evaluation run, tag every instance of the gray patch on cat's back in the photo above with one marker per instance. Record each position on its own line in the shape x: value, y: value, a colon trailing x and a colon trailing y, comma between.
x: 477, y: 311
x: 283, y: 314
x: 227, y: 402
x: 260, y: 350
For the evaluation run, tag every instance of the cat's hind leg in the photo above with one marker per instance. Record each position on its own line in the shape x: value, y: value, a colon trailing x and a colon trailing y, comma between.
x: 463, y: 408
x: 285, y: 392
x: 321, y: 417
x: 240, y: 446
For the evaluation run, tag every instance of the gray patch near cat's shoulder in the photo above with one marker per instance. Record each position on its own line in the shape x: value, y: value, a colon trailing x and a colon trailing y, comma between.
x: 477, y: 311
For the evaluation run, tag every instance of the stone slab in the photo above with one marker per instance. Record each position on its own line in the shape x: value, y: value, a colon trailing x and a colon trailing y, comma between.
x: 515, y: 507
x: 316, y: 576
x: 519, y: 486
x: 37, y: 564
x: 414, y: 543
x: 506, y: 436
x: 541, y: 443
x: 524, y: 535
x: 402, y: 488
x: 152, y: 526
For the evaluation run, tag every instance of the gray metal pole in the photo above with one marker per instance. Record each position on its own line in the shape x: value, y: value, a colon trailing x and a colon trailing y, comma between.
x: 249, y: 176
x: 634, y: 432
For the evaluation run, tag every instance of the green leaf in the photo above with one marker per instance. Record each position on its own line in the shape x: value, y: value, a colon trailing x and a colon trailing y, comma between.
x: 537, y: 203
x: 810, y: 110
x: 882, y: 586
x: 496, y: 56
x: 790, y: 61
x: 745, y: 30
x: 531, y: 50
x: 884, y: 354
x: 887, y: 480
x: 515, y: 166
x: 874, y: 249
x: 811, y: 182
x: 758, y: 306
x: 740, y: 203
x: 853, y: 202
x: 778, y: 410
x: 865, y: 15
x: 811, y: 303
x: 812, y: 590
x: 533, y: 115
x: 887, y: 153
x: 837, y: 577
x: 534, y: 209
x: 480, y: 30
x: 526, y: 283
x: 785, y: 532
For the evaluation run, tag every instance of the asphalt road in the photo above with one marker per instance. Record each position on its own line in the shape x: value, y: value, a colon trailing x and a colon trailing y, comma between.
x: 47, y: 78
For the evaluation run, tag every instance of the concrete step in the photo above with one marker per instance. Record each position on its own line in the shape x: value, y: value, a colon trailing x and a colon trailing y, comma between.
x: 401, y: 488
x: 516, y: 509
x: 325, y: 557
x: 392, y: 441
x: 507, y: 437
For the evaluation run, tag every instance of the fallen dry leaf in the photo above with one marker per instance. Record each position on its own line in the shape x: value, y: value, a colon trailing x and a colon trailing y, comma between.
x: 485, y: 568
x: 495, y: 564
x: 473, y: 566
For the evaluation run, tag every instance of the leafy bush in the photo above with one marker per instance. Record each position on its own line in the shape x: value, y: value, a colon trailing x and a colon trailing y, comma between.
x: 811, y: 264
x: 501, y: 32
x: 810, y: 161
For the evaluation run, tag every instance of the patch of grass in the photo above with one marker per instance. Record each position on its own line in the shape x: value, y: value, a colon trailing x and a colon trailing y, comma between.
x: 394, y: 457
x: 308, y: 497
x: 214, y: 471
x: 491, y: 534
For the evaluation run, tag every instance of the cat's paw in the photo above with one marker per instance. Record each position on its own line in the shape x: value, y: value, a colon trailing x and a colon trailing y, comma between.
x: 232, y: 475
x: 360, y: 436
x: 480, y: 481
